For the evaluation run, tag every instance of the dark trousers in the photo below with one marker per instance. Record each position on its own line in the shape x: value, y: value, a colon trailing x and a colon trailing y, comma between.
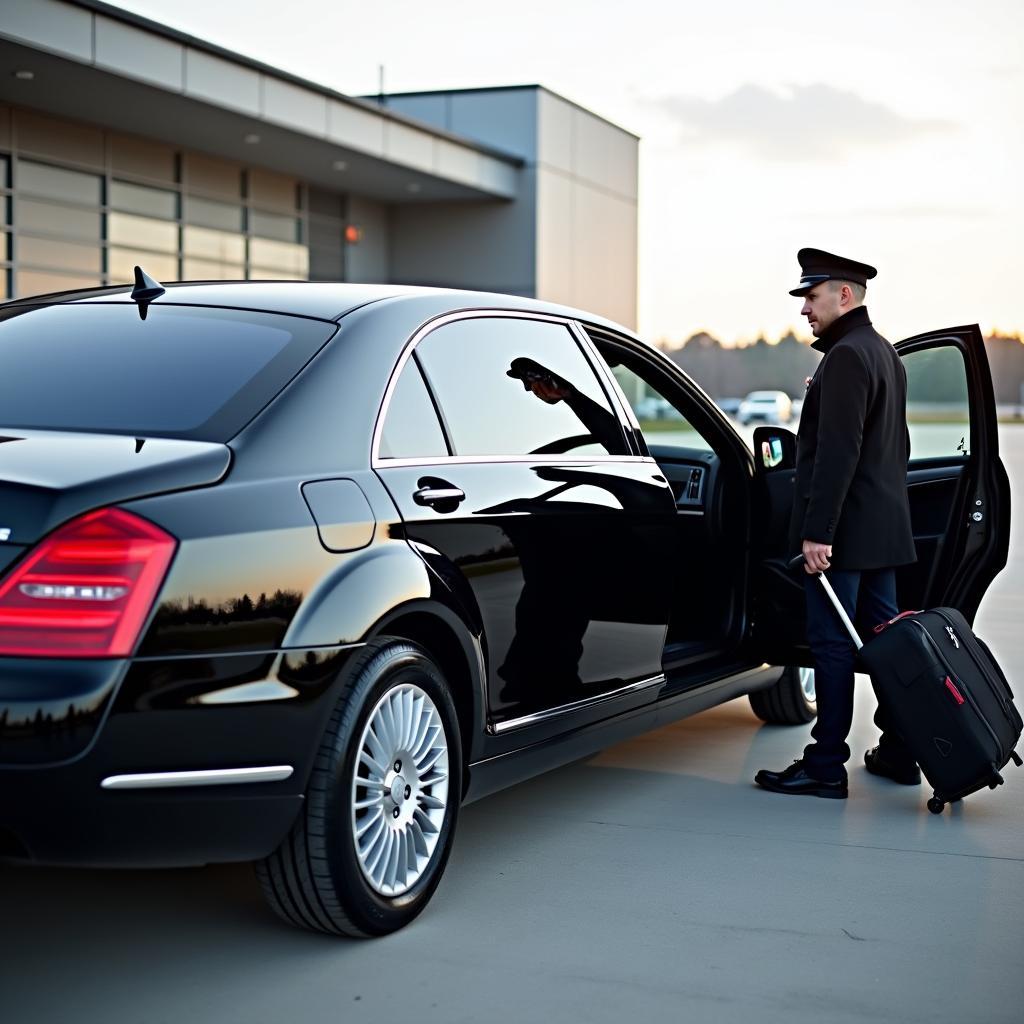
x: 869, y: 598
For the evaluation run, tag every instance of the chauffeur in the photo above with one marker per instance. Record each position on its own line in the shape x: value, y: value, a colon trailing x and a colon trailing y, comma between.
x: 851, y: 515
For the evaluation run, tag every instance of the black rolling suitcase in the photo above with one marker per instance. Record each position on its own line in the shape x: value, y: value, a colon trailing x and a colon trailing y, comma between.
x: 947, y: 696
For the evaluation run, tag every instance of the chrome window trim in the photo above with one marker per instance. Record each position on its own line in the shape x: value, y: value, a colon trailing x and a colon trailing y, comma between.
x: 537, y: 460
x: 205, y: 777
x: 578, y: 705
x: 377, y: 462
x: 616, y: 395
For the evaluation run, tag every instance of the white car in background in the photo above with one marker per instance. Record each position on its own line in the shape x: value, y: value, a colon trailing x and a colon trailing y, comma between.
x: 772, y: 407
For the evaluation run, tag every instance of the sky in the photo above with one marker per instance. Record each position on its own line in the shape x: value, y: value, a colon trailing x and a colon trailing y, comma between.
x: 889, y: 131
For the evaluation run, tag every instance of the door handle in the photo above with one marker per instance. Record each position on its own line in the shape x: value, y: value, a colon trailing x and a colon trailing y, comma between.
x: 438, y: 496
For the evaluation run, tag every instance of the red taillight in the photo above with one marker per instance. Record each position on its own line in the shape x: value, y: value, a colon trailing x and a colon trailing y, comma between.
x: 86, y: 590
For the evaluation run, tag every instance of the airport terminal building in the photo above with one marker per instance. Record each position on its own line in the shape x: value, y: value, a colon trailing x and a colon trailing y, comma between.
x: 123, y: 141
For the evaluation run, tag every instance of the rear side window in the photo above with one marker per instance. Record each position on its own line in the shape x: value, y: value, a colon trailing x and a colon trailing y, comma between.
x: 190, y: 372
x: 518, y: 387
x: 412, y: 429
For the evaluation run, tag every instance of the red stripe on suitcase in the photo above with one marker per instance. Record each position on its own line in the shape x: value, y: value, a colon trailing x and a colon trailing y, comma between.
x: 951, y: 686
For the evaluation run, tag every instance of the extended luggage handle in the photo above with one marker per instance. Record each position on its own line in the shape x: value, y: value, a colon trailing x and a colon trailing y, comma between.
x: 836, y: 603
x: 882, y: 626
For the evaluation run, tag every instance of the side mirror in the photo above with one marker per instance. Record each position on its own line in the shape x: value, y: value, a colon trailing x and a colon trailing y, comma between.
x: 774, y: 449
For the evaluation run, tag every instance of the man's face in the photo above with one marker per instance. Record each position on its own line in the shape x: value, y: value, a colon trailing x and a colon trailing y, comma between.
x: 822, y: 305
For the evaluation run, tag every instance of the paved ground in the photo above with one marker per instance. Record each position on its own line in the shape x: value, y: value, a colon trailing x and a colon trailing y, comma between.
x: 651, y: 882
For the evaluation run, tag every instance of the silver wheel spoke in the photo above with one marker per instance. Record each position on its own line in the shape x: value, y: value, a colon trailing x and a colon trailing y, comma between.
x: 429, y: 760
x: 399, y: 789
x: 371, y: 821
x: 419, y: 839
x: 427, y: 742
x: 378, y: 749
x: 408, y: 701
x: 371, y: 763
x: 434, y: 778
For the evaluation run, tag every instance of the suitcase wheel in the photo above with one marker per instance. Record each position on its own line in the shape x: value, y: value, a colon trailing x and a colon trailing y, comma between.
x: 997, y: 780
x: 935, y: 805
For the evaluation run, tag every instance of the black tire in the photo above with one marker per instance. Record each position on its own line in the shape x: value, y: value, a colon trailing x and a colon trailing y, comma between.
x: 935, y: 805
x: 785, y: 703
x: 314, y: 879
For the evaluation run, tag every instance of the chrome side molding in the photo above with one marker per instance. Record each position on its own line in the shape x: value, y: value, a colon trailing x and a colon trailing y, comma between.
x: 601, y: 698
x: 208, y: 777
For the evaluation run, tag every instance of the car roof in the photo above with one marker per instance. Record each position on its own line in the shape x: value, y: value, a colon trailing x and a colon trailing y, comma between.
x: 322, y: 300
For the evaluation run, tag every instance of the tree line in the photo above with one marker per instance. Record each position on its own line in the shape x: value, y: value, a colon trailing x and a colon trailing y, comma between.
x: 734, y: 371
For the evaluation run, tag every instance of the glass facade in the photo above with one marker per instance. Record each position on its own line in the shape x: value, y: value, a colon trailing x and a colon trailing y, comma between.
x: 64, y: 226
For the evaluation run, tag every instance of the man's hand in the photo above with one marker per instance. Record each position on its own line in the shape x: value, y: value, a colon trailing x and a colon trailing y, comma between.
x: 816, y: 556
x: 548, y: 392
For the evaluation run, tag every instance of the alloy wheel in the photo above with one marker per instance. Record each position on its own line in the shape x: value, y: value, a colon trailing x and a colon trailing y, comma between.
x: 399, y: 789
x: 807, y: 684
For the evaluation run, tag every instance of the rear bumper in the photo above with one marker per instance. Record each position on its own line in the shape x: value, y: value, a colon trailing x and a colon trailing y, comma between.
x: 55, y: 817
x: 169, y: 722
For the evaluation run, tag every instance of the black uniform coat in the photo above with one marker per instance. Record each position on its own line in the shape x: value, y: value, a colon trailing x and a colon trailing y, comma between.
x: 853, y: 445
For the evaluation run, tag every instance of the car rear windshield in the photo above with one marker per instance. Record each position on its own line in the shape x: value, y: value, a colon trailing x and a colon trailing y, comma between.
x: 184, y: 371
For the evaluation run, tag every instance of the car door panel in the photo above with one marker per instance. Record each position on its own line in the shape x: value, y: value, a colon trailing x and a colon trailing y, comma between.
x: 555, y: 558
x: 557, y: 551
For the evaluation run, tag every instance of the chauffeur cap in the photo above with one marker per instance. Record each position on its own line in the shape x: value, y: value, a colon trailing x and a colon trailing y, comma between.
x: 816, y: 266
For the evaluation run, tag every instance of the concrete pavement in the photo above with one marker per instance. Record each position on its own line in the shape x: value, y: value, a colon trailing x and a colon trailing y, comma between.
x: 651, y: 882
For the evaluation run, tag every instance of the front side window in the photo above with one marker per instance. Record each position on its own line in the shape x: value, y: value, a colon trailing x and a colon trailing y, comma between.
x: 518, y: 387
x: 938, y: 404
x: 660, y: 421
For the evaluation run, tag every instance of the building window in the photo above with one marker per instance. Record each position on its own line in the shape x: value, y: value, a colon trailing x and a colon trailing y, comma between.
x: 58, y: 240
x: 62, y: 227
x: 5, y: 227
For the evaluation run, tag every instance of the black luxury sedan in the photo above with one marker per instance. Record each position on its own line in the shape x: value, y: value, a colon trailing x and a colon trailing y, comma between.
x: 290, y: 571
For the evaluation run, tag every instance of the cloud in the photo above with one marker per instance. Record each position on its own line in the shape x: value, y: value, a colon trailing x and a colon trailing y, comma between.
x: 806, y: 122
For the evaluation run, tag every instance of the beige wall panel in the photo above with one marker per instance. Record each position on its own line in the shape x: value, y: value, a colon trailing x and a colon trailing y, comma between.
x: 55, y: 26
x: 604, y: 254
x: 488, y: 245
x: 605, y: 155
x: 497, y: 176
x: 222, y: 82
x: 207, y: 174
x: 134, y: 51
x: 272, y: 191
x: 369, y: 260
x: 555, y: 128
x: 294, y: 107
x: 409, y: 146
x: 62, y: 140
x: 142, y: 158
x: 351, y: 126
x: 458, y: 162
x: 555, y: 250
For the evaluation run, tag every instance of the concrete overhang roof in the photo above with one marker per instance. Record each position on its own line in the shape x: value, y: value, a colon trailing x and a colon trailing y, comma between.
x: 96, y: 63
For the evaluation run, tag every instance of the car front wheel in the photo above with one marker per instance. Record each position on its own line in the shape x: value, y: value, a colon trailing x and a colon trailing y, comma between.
x: 373, y: 838
x: 791, y: 701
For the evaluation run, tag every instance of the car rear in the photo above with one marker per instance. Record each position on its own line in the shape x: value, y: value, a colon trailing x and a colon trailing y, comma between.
x: 105, y: 416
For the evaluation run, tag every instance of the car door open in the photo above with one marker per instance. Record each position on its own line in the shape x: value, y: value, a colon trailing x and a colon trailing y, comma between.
x: 958, y: 489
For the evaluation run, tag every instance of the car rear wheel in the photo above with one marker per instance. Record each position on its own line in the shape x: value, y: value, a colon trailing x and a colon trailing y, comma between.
x: 372, y: 841
x: 791, y: 701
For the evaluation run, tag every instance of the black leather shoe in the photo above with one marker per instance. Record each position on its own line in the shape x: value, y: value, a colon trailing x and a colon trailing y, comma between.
x: 878, y: 765
x: 796, y: 780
